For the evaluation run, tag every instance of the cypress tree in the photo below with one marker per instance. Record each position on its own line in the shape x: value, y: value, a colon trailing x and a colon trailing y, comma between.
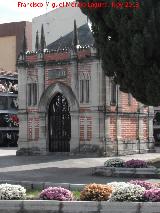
x: 128, y: 41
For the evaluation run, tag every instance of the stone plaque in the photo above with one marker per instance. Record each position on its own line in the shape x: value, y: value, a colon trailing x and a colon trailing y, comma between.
x: 56, y: 73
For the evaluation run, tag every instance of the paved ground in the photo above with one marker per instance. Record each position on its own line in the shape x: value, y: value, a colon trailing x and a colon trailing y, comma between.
x: 55, y: 168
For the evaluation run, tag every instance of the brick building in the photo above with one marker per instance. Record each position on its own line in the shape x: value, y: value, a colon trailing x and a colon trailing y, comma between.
x: 67, y: 104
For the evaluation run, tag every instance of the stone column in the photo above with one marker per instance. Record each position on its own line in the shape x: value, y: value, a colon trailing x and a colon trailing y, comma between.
x: 119, y: 127
x: 41, y: 75
x: 95, y: 96
x: 22, y: 140
x: 150, y: 128
x: 42, y: 142
x: 141, y: 110
x: 97, y: 103
x: 119, y: 145
x: 22, y: 99
x: 75, y: 138
x: 107, y: 127
x: 22, y: 87
x: 74, y: 73
x: 118, y: 98
x: 108, y: 91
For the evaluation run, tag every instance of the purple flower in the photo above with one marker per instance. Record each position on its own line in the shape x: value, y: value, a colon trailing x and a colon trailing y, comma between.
x: 56, y: 193
x: 146, y: 185
x: 152, y: 195
x: 136, y: 164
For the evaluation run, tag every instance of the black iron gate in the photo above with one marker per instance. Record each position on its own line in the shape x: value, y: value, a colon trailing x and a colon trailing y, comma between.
x: 59, y: 124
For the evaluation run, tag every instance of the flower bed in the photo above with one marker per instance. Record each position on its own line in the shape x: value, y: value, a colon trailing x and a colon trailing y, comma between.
x: 117, y: 162
x: 116, y: 167
x: 112, y: 194
x: 135, y: 191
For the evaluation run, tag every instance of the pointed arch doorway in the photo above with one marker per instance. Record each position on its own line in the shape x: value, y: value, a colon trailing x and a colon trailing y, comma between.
x: 59, y: 123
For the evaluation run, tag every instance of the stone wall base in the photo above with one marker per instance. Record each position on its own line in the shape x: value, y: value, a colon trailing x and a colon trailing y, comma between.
x: 48, y: 206
x: 118, y: 148
x: 110, y: 149
x: 30, y: 151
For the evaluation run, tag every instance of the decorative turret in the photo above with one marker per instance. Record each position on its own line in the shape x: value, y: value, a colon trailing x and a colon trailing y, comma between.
x: 43, y: 41
x: 22, y: 54
x: 75, y: 41
x: 24, y: 45
x: 37, y: 42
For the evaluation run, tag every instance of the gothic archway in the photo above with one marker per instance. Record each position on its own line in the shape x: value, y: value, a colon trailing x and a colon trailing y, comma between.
x: 59, y: 123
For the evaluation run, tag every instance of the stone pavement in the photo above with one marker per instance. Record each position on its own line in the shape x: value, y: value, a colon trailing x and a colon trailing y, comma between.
x: 56, y: 169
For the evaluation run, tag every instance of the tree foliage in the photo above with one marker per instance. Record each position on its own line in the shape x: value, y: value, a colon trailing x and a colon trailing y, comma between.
x: 128, y: 41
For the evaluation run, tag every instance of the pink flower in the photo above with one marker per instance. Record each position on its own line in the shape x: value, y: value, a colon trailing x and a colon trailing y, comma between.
x: 56, y: 193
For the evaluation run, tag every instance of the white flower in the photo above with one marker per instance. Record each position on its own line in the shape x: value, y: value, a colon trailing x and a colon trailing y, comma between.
x: 126, y: 192
x: 12, y: 192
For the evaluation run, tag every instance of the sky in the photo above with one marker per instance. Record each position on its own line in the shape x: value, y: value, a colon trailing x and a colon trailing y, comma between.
x: 10, y: 12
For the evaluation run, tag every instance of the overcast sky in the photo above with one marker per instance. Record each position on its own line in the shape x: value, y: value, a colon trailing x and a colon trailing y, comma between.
x: 9, y: 11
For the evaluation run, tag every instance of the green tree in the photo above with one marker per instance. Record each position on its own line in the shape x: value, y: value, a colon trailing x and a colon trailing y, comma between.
x: 128, y: 42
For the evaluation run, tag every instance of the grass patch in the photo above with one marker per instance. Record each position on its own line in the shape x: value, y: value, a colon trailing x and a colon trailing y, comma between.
x: 76, y: 195
x: 33, y: 194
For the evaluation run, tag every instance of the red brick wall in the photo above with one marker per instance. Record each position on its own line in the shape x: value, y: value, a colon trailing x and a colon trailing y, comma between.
x: 124, y: 103
x: 129, y: 128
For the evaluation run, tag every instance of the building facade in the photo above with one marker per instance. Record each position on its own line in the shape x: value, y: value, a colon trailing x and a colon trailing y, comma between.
x: 11, y: 39
x: 68, y: 105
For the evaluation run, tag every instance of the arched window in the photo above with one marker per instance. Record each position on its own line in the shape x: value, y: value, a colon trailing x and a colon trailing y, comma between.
x: 32, y: 94
x: 84, y: 88
x: 113, y: 93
